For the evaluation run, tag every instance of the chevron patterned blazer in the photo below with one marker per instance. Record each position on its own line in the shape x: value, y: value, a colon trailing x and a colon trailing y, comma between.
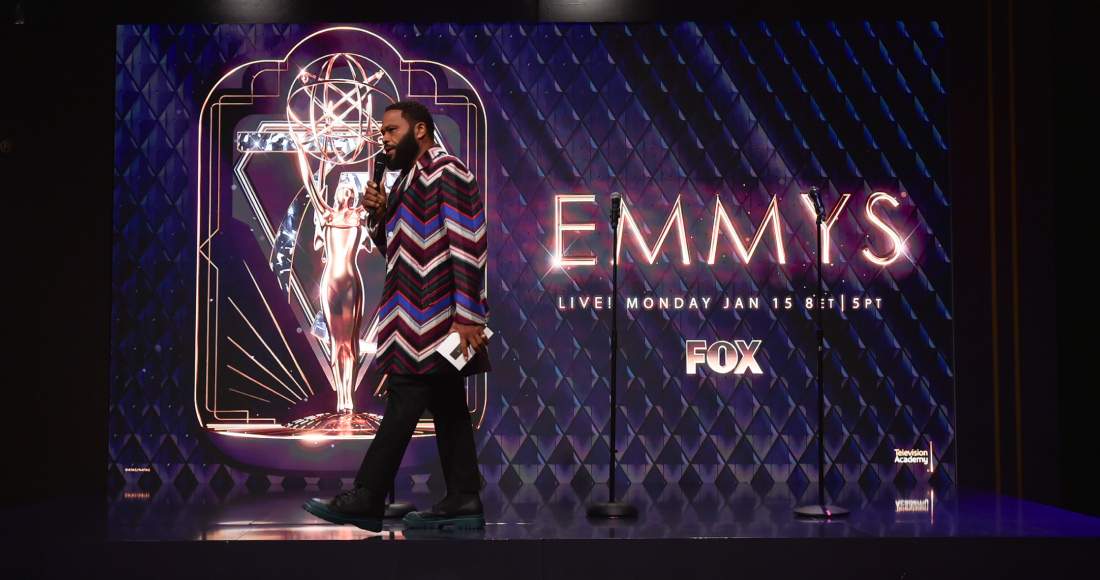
x: 435, y: 250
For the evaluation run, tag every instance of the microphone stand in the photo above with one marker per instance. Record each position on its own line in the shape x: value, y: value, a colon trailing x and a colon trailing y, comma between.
x: 820, y: 510
x: 612, y: 508
x: 398, y: 509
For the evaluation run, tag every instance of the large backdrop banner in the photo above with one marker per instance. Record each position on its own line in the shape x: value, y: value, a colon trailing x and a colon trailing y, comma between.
x: 246, y: 293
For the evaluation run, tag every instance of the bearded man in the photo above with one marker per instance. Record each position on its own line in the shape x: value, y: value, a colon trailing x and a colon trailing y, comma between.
x: 431, y: 229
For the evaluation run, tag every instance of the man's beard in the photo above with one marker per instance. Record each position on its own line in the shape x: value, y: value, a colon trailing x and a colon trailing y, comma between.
x: 404, y: 153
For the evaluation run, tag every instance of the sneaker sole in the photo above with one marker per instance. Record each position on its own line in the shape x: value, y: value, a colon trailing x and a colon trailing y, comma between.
x: 368, y: 524
x: 460, y: 523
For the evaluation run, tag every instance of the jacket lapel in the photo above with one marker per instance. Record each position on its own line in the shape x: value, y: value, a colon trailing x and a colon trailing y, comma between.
x: 398, y: 193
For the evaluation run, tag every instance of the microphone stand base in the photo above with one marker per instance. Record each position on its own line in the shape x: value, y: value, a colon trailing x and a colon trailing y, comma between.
x: 399, y: 509
x: 821, y: 511
x: 612, y: 509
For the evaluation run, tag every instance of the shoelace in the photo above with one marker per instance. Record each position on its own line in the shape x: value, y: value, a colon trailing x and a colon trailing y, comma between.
x: 343, y: 497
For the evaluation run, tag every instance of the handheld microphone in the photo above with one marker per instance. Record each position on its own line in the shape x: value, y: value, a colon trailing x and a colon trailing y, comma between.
x: 379, y: 176
x: 815, y: 196
x: 379, y: 171
x: 616, y: 202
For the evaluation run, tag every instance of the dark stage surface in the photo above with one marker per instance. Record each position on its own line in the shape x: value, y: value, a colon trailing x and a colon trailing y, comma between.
x: 915, y: 532
x: 531, y: 512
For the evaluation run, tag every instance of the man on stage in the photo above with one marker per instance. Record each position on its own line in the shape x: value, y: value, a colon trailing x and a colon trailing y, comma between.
x: 431, y: 229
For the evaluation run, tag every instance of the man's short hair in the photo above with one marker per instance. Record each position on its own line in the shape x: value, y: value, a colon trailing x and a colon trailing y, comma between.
x: 415, y: 112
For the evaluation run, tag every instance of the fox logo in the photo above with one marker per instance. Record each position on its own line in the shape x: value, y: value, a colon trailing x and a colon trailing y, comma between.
x: 722, y: 356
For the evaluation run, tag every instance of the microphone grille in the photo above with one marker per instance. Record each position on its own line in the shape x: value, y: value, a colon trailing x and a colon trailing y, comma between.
x: 615, y: 196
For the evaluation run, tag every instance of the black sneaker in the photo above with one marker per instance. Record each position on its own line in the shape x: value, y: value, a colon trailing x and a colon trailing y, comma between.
x: 461, y: 510
x: 359, y: 507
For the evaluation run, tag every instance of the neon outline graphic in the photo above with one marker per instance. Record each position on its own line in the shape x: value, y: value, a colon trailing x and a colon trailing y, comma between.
x: 899, y: 244
x: 826, y: 242
x: 675, y: 215
x: 208, y: 180
x: 559, y: 260
x: 722, y: 222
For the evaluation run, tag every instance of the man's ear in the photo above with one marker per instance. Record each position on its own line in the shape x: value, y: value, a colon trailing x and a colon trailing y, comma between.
x: 421, y: 131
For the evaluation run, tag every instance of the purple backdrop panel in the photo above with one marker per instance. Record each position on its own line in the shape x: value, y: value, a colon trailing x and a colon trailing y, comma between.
x: 712, y: 133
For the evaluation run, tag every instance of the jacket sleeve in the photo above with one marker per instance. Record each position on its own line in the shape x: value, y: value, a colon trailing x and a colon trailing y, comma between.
x: 464, y: 218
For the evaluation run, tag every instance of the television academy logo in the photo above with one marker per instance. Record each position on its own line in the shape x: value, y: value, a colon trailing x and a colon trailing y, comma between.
x: 723, y: 357
x: 921, y: 456
x: 906, y: 508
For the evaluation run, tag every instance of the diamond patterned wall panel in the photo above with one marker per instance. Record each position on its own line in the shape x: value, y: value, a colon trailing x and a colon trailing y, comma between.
x: 695, y: 113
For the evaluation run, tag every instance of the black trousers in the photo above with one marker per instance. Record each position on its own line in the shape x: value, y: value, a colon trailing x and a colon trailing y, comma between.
x: 444, y: 396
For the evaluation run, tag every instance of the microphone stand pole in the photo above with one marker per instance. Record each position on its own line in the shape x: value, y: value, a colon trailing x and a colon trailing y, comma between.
x: 612, y: 508
x: 397, y: 509
x: 820, y: 510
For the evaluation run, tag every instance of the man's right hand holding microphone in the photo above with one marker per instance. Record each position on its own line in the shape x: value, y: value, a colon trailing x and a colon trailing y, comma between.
x: 374, y: 201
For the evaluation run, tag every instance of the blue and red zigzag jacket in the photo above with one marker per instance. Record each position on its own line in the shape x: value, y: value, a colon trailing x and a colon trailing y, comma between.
x: 435, y: 250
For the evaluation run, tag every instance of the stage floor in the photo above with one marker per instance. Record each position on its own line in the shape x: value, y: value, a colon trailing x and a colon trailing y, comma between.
x: 705, y: 531
x: 558, y: 512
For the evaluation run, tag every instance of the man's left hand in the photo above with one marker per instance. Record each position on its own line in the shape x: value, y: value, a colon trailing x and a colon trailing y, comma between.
x: 470, y: 336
